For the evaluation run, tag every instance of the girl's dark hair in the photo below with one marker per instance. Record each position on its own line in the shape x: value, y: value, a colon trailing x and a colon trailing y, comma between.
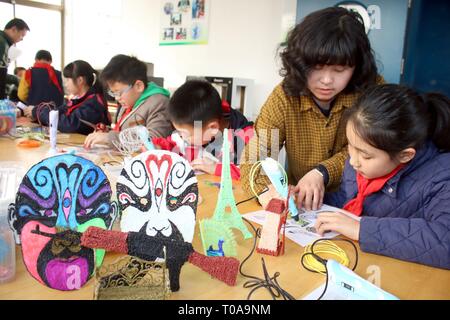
x: 332, y: 36
x: 80, y: 68
x: 392, y: 118
x: 196, y: 100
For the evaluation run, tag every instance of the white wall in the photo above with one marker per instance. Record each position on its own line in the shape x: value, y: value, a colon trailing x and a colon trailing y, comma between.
x: 243, y: 39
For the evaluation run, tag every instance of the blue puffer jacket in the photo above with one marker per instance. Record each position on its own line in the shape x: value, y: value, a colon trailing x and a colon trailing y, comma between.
x: 91, y: 107
x: 409, y: 219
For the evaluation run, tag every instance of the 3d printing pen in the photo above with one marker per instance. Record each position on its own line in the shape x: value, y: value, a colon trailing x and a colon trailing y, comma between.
x: 348, y: 285
x: 145, y: 138
x: 53, y: 120
x: 276, y: 175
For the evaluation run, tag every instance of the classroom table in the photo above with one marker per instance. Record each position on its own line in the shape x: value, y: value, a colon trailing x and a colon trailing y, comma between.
x: 402, y: 279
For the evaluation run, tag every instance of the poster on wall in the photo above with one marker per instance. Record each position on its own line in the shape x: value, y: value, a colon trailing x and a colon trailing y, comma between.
x: 184, y: 22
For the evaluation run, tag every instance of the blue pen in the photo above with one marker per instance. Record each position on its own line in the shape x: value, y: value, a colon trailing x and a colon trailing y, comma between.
x: 275, y: 174
x: 143, y: 135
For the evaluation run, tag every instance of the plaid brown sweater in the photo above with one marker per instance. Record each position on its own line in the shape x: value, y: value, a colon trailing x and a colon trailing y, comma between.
x: 310, y: 138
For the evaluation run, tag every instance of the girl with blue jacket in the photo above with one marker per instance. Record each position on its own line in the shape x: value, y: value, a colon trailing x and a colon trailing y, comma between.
x: 397, y: 178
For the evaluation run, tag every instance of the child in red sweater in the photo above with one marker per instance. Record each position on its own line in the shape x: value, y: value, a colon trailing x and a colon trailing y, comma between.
x: 200, y: 117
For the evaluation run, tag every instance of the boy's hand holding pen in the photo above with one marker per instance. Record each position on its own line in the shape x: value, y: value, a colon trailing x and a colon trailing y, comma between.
x: 207, y: 163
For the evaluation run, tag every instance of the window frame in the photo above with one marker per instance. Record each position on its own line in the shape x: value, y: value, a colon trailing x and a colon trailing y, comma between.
x: 46, y: 6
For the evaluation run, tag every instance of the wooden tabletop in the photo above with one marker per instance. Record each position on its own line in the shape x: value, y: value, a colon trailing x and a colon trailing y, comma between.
x: 402, y: 279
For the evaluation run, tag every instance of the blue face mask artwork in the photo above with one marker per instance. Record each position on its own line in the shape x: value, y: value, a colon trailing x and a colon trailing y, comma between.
x: 58, y: 194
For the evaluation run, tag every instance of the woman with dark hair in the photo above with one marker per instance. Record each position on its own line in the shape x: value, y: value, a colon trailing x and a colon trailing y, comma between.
x: 397, y: 178
x: 327, y: 63
x: 87, y: 105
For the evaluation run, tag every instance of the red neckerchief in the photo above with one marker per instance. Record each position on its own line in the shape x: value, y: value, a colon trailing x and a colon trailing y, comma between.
x: 51, y: 74
x: 122, y: 119
x: 71, y: 107
x: 365, y: 188
x: 226, y: 108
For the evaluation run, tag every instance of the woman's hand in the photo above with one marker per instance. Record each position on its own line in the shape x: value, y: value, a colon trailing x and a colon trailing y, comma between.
x: 337, y: 222
x: 310, y: 191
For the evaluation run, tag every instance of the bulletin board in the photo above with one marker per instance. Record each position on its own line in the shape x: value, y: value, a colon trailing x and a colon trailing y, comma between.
x: 184, y: 22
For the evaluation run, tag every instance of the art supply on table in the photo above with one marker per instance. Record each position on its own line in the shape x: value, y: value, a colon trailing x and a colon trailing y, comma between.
x: 325, y: 257
x: 226, y: 214
x: 99, y: 127
x: 30, y: 137
x: 21, y: 106
x: 53, y: 197
x: 270, y: 283
x: 131, y: 278
x: 132, y: 140
x: 54, y: 114
x: 143, y: 246
x: 7, y: 246
x: 145, y: 138
x: 7, y: 118
x: 28, y: 143
x: 278, y: 177
x: 168, y: 221
x: 9, y: 180
x: 272, y: 240
x: 211, y: 252
x: 302, y: 231
x: 214, y: 184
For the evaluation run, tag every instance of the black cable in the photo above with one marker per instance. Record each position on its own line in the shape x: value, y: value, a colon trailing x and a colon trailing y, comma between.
x: 324, y: 261
x: 270, y: 283
x: 326, y: 283
x: 254, y: 197
x: 244, y: 201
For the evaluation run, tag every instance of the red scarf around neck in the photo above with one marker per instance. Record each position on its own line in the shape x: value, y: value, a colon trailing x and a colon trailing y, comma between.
x: 122, y: 119
x: 51, y: 74
x: 365, y: 188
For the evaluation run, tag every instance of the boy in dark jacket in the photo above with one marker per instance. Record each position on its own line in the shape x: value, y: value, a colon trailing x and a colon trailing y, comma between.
x: 41, y: 83
x: 200, y: 117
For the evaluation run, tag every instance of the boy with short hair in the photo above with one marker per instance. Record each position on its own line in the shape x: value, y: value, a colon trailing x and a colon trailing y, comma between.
x: 19, y: 72
x: 142, y: 102
x: 200, y: 117
x: 41, y: 83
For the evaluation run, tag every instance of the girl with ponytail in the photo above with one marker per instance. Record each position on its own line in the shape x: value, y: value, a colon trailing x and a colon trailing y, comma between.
x: 397, y: 179
x: 87, y: 102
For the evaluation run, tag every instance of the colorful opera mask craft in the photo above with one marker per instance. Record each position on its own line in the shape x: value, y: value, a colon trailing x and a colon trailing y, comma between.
x: 57, y: 196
